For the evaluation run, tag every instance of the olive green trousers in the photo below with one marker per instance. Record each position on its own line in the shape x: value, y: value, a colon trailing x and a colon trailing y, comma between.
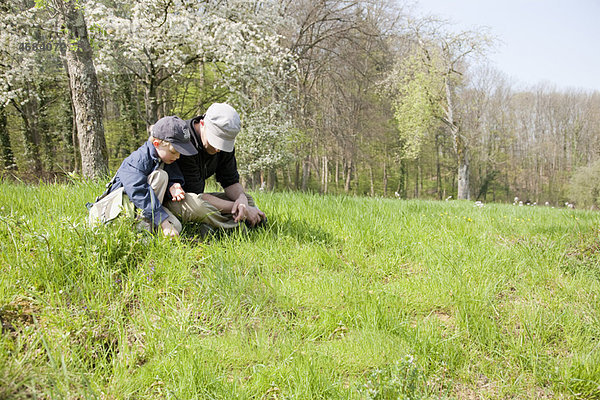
x: 194, y: 209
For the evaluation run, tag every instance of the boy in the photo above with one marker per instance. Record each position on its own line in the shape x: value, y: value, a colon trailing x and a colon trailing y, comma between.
x: 144, y: 180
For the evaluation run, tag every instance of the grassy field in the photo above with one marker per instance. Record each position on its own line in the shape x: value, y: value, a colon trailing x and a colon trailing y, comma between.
x: 338, y: 297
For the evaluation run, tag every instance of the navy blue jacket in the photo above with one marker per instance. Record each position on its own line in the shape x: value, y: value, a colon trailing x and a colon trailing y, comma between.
x: 133, y: 176
x: 196, y: 169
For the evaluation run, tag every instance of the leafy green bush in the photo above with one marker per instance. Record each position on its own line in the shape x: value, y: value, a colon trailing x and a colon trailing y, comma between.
x: 584, y: 187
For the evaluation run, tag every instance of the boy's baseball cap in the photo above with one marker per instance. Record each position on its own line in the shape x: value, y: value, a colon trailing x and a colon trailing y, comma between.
x: 221, y: 126
x: 175, y: 131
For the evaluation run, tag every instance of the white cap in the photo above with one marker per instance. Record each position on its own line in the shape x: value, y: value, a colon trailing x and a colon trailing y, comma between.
x: 221, y: 126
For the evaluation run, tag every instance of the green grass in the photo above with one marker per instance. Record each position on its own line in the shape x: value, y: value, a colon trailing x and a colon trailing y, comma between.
x: 339, y: 297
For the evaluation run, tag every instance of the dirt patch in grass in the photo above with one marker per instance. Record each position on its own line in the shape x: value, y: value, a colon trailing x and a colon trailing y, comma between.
x: 583, y: 256
x: 17, y: 314
x: 485, y: 388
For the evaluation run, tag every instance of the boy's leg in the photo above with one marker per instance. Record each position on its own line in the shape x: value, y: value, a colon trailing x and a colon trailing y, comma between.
x: 174, y: 221
x: 158, y: 181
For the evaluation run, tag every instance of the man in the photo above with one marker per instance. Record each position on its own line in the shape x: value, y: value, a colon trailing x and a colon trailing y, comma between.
x: 213, y: 135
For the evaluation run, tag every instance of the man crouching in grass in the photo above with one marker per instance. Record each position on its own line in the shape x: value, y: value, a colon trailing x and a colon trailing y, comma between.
x: 145, y: 181
x: 213, y: 136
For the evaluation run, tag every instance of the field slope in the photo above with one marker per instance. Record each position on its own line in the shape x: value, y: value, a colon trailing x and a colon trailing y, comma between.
x: 338, y: 297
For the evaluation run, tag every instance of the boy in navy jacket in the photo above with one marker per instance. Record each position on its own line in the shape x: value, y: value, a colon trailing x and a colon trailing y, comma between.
x: 150, y: 172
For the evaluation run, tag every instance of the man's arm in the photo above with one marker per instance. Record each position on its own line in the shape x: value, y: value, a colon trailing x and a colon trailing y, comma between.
x: 220, y: 204
x: 236, y: 191
x: 240, y: 209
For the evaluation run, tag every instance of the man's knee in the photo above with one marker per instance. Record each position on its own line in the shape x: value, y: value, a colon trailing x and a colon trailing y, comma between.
x: 192, y: 208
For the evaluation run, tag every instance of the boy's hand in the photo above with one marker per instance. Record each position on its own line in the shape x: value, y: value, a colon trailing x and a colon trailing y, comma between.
x: 177, y: 192
x: 168, y: 229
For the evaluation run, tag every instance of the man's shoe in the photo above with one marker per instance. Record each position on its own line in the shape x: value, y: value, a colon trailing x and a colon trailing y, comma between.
x: 206, y: 230
x: 261, y: 224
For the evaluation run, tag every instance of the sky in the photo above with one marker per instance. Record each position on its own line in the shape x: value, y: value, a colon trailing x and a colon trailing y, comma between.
x: 539, y: 41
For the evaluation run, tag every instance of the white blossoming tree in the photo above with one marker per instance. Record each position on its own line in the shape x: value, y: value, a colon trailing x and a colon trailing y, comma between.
x: 231, y: 46
x: 232, y: 43
x: 27, y: 75
x: 44, y: 43
x: 265, y: 143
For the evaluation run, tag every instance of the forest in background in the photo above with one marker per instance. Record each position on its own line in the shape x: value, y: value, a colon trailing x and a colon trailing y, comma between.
x: 336, y: 96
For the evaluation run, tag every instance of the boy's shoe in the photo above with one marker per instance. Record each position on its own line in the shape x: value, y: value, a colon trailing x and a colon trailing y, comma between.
x: 144, y: 224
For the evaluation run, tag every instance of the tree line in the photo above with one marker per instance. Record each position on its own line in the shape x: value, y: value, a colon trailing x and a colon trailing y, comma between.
x: 336, y: 96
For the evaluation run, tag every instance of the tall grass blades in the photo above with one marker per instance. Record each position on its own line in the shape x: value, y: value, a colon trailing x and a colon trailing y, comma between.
x: 337, y: 297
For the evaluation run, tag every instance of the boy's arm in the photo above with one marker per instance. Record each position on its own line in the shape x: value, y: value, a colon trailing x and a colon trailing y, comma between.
x: 175, y: 186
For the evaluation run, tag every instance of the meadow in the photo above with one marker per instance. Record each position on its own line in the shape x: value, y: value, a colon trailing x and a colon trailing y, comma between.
x: 336, y: 298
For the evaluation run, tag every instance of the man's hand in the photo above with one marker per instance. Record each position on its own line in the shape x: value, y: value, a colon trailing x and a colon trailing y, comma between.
x: 243, y: 212
x: 254, y: 216
x: 177, y: 192
x: 168, y: 229
x: 240, y: 208
x: 239, y: 212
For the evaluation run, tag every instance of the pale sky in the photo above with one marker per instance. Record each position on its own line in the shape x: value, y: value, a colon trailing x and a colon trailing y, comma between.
x: 554, y: 41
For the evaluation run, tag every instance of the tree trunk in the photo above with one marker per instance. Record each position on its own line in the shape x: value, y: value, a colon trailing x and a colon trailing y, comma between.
x: 262, y: 180
x: 372, y: 180
x: 438, y: 168
x: 29, y: 113
x: 49, y: 153
x: 349, y: 167
x: 325, y: 175
x: 402, y: 180
x: 151, y: 100
x: 288, y: 183
x: 385, y: 175
x: 305, y: 173
x: 84, y: 89
x: 74, y: 140
x: 297, y: 177
x: 128, y: 98
x: 337, y: 174
x: 459, y: 146
x: 7, y: 153
x: 417, y: 174
x: 463, y: 170
x: 271, y: 179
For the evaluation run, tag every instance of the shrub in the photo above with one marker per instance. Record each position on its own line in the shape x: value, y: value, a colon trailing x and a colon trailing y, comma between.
x: 584, y: 187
